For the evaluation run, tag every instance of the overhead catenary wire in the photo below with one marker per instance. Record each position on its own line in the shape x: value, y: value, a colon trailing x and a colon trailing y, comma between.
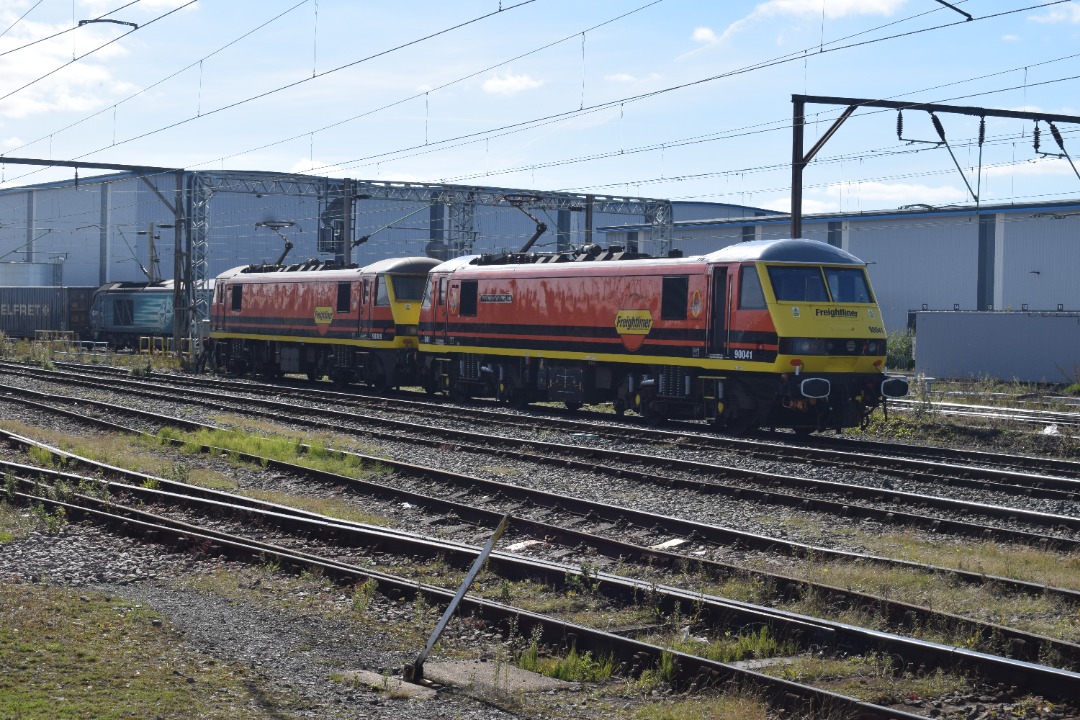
x: 20, y: 18
x: 91, y: 52
x: 328, y: 166
x: 623, y: 100
x: 64, y: 32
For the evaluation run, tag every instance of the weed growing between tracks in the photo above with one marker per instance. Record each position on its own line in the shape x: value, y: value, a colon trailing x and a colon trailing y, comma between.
x: 873, y: 678
x: 16, y: 522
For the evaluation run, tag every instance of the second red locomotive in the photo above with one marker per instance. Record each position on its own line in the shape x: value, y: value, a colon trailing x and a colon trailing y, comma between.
x: 760, y: 334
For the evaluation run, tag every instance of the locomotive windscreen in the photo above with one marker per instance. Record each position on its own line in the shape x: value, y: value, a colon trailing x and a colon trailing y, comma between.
x: 848, y: 285
x: 798, y: 284
x: 408, y: 287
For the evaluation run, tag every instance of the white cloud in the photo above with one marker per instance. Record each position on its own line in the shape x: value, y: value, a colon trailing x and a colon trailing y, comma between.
x: 1069, y: 14
x: 809, y: 206
x: 1010, y: 38
x: 95, y: 8
x: 834, y: 9
x: 899, y: 193
x: 1034, y: 167
x: 627, y: 78
x: 11, y: 142
x: 510, y: 84
x: 319, y: 167
x: 79, y: 87
x: 705, y: 35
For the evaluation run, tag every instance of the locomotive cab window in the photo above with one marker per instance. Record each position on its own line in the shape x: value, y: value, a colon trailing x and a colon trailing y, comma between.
x: 382, y: 293
x: 124, y: 313
x: 408, y: 288
x: 751, y: 297
x: 798, y: 283
x: 673, y: 297
x: 237, y: 297
x: 344, y: 293
x: 468, y: 298
x: 429, y: 290
x: 848, y: 285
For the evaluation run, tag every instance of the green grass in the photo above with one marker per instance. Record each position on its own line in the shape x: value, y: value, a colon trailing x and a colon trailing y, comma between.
x: 872, y: 678
x: 729, y: 707
x: 313, y: 454
x: 74, y: 654
x: 573, y: 667
x: 15, y: 522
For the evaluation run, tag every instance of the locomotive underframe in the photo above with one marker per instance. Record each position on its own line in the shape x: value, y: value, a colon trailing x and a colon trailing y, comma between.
x: 343, y: 364
x: 736, y: 400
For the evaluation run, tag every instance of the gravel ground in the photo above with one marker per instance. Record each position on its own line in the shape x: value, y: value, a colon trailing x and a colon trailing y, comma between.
x: 288, y: 651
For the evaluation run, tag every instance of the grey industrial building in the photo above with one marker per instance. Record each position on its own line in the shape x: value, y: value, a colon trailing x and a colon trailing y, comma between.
x: 86, y: 232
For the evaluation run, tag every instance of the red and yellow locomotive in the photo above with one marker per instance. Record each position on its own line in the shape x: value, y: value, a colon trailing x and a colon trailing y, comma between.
x: 352, y: 324
x: 779, y: 333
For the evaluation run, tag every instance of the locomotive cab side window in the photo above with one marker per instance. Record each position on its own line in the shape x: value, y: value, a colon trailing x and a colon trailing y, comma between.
x: 751, y: 296
x: 796, y: 283
x: 344, y: 293
x: 429, y: 290
x: 124, y: 313
x: 673, y: 297
x: 468, y: 298
x: 382, y: 293
x: 848, y: 285
x: 237, y: 297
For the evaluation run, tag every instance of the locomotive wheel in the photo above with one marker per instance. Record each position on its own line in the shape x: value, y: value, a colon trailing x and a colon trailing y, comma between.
x: 804, y: 430
x: 516, y: 398
x: 572, y: 405
x: 619, y: 407
x: 376, y: 375
x: 742, y: 423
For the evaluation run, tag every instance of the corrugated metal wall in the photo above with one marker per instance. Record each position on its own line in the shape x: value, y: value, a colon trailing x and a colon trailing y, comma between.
x: 1030, y: 347
x: 912, y: 261
x: 939, y: 258
x: 1041, y: 258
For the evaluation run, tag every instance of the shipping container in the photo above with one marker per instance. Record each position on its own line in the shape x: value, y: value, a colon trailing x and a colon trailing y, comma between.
x: 26, y: 310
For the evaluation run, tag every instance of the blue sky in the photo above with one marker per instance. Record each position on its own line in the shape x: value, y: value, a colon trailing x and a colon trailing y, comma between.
x: 679, y: 99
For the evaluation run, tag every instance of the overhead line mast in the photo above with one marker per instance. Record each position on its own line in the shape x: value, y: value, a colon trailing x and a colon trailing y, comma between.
x: 799, y: 160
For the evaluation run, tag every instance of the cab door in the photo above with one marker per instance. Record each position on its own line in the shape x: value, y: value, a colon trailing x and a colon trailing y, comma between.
x: 720, y: 309
x: 365, y: 307
x: 440, y: 306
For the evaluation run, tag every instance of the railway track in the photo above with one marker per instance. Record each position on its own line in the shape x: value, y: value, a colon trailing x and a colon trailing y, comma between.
x: 826, y: 449
x: 1050, y: 682
x: 585, y: 518
x: 881, y: 501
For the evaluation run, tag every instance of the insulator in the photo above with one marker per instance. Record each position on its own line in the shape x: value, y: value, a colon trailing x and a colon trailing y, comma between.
x: 1057, y: 136
x: 899, y: 124
x: 982, y: 130
x: 1035, y: 136
x: 937, y: 126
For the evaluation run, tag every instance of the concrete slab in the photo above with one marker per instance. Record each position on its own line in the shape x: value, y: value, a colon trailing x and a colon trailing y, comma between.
x: 390, y: 686
x: 491, y: 677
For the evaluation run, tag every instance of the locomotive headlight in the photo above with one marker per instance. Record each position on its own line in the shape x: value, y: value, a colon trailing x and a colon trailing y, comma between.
x: 851, y: 346
x: 804, y: 346
x: 872, y: 348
